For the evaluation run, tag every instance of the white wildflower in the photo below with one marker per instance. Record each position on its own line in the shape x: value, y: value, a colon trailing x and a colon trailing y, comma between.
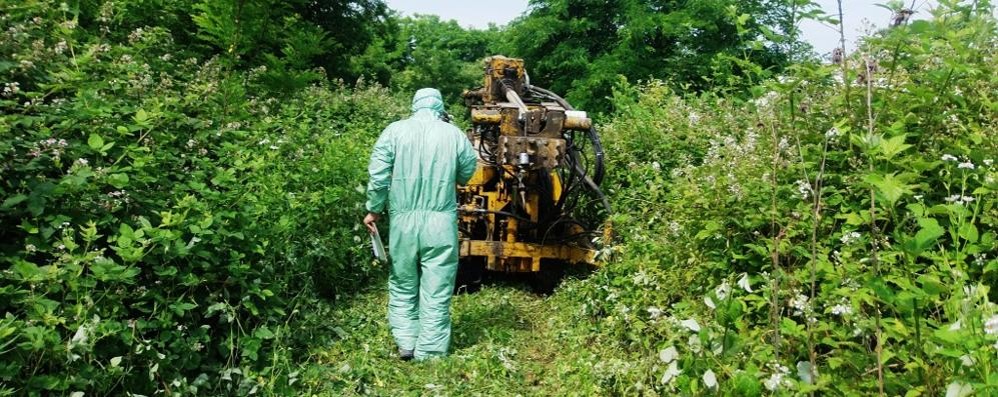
x: 723, y: 290
x: 850, y: 237
x: 656, y: 166
x: 82, y: 162
x: 966, y: 165
x: 9, y: 89
x: 832, y: 133
x: 988, y: 162
x: 949, y: 157
x: 709, y: 302
x: 842, y: 309
x: 136, y: 35
x: 744, y: 283
x: 800, y: 304
x: 804, y: 188
x: 694, y: 117
x: 991, y: 326
x: 654, y: 312
x: 675, y: 228
x: 272, y: 147
x: 958, y: 199
x: 774, y: 381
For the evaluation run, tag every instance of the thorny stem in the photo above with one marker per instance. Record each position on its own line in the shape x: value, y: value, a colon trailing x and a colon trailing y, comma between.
x: 774, y: 313
x: 873, y: 222
x: 845, y: 60
x: 816, y: 219
x: 894, y: 65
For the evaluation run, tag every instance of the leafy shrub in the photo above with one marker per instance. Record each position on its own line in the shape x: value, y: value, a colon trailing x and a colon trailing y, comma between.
x: 162, y: 221
x: 836, y: 232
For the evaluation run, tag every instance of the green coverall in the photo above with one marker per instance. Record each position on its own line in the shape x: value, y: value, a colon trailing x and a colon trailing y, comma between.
x: 416, y: 165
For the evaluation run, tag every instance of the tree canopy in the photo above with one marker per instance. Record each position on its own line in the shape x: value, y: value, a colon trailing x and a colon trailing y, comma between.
x: 581, y: 47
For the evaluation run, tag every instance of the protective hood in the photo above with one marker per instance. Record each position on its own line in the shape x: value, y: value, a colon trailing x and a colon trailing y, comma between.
x: 428, y: 98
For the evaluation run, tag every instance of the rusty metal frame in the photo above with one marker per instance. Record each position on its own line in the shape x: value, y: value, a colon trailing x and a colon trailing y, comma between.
x: 523, y: 253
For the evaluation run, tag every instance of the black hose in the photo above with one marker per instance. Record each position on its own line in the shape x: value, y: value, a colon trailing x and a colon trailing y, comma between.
x: 509, y: 214
x: 598, y: 150
x: 598, y: 171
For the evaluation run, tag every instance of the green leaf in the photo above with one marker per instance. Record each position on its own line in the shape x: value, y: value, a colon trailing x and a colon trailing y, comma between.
x: 891, y: 147
x: 889, y: 186
x: 106, y: 270
x: 931, y: 284
x: 119, y: 180
x: 95, y: 142
x: 969, y: 232
x: 927, y: 235
x: 868, y: 142
x: 28, y: 271
x: 141, y: 117
x: 882, y: 290
x: 264, y: 333
x: 124, y: 230
x: 13, y: 200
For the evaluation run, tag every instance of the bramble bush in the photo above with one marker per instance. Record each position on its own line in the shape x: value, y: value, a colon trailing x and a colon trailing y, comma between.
x: 174, y: 205
x: 836, y: 232
x: 166, y: 218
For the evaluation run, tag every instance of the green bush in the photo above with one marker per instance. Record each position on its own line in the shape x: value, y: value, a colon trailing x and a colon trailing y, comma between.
x: 163, y: 215
x: 804, y: 229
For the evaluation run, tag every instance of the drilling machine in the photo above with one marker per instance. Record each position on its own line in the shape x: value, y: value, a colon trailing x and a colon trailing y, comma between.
x: 518, y: 213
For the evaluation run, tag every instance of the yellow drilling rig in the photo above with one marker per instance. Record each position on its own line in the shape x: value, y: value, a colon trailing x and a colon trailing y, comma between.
x: 539, y: 169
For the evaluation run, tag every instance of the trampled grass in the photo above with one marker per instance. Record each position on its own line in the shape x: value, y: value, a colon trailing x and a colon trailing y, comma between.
x: 506, y: 340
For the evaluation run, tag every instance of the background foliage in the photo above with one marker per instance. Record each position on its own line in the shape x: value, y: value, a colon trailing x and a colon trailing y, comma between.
x: 181, y: 181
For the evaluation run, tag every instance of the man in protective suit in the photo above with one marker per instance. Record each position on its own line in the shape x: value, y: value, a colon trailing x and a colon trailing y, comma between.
x: 415, y: 167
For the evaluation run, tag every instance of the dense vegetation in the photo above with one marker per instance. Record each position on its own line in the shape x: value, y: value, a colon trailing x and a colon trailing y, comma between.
x: 181, y: 185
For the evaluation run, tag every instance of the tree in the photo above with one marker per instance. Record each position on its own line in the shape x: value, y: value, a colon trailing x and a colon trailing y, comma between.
x: 581, y: 47
x: 442, y: 54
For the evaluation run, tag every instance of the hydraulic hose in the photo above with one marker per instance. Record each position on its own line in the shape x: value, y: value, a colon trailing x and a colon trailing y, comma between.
x: 598, y: 169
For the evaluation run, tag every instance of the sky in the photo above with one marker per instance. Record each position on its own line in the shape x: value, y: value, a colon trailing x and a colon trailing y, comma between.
x: 859, y: 16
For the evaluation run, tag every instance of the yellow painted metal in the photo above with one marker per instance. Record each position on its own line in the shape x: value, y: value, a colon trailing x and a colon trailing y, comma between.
x: 485, y: 116
x: 555, y: 186
x: 492, y: 193
x: 529, y: 251
x: 495, y: 69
